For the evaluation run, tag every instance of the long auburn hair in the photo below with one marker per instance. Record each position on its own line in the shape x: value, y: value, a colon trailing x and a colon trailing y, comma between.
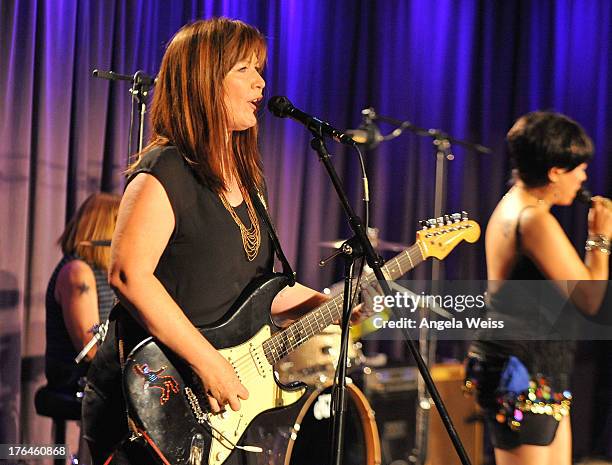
x: 188, y: 110
x: 95, y: 220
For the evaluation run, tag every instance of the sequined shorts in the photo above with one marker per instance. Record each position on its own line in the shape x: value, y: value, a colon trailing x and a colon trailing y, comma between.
x: 519, y: 408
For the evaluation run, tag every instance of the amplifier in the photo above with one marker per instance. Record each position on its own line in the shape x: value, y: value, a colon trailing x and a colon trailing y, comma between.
x: 392, y: 393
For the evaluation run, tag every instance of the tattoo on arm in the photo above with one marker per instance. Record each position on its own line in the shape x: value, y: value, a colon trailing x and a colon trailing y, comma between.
x: 83, y: 288
x: 507, y: 229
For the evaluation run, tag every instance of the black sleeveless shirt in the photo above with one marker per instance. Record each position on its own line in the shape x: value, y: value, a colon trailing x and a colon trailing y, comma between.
x: 204, y: 266
x: 551, y: 358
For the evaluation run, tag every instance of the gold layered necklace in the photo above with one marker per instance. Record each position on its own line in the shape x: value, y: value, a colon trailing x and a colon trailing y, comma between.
x: 251, y: 237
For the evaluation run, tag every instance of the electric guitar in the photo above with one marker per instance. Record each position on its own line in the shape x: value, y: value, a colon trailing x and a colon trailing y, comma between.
x: 166, y: 401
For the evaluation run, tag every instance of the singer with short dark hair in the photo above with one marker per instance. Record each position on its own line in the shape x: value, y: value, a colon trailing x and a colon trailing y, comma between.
x: 524, y: 385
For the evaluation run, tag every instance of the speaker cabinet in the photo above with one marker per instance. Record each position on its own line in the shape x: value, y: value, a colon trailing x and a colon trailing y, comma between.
x: 392, y: 393
x: 463, y: 412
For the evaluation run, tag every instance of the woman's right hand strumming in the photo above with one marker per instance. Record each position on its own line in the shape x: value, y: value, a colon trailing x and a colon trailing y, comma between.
x: 221, y: 384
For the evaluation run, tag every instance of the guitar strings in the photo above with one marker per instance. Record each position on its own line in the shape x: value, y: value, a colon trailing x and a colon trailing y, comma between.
x: 281, y: 347
x: 244, y: 363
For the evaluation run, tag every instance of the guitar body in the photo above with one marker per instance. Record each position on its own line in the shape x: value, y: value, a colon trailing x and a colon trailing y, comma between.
x: 164, y: 399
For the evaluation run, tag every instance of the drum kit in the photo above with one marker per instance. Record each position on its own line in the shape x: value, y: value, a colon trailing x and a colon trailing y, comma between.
x: 314, y: 363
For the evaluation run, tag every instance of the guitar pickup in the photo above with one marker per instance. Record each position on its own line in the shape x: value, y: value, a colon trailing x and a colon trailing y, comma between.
x: 259, y: 360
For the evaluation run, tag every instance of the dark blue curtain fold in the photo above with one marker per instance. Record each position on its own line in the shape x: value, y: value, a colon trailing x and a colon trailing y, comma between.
x: 469, y: 68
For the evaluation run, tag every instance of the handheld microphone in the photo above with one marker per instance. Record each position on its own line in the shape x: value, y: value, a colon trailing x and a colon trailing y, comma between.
x: 281, y: 107
x: 585, y: 196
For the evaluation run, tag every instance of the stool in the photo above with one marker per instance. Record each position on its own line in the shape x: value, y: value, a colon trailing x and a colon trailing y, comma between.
x: 60, y: 406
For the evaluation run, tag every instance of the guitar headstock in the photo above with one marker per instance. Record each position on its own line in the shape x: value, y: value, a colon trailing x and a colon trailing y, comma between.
x: 439, y: 236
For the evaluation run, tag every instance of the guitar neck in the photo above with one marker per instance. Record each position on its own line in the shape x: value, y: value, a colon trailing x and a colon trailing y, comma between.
x: 314, y: 322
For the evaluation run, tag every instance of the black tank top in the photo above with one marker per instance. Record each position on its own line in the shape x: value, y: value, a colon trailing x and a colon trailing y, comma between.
x: 551, y: 358
x: 204, y: 266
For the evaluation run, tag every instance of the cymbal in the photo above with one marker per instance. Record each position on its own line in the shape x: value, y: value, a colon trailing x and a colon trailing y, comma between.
x: 377, y: 243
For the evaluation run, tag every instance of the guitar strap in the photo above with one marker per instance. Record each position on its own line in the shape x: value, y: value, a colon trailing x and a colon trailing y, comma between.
x: 260, y: 205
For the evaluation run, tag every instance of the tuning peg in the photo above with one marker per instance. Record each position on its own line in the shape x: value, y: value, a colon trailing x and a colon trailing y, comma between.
x: 423, y: 224
x: 456, y: 217
x: 432, y: 222
x: 440, y: 221
x: 464, y: 215
x: 447, y: 220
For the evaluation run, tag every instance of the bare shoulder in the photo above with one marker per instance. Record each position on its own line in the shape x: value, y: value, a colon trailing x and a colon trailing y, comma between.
x: 76, y: 271
x: 143, y: 185
x: 500, y: 240
x: 501, y: 224
x: 544, y: 240
x: 536, y: 222
x: 145, y: 224
x: 75, y: 276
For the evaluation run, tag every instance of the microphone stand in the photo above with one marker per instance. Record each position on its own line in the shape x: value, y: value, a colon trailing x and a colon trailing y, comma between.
x: 141, y: 85
x: 374, y: 261
x: 427, y: 345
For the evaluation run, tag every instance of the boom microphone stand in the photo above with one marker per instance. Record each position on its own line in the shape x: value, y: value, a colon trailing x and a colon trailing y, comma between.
x: 141, y: 85
x: 374, y: 261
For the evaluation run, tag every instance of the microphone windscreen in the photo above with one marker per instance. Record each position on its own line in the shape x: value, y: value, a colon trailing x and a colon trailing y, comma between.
x: 584, y: 196
x: 280, y: 106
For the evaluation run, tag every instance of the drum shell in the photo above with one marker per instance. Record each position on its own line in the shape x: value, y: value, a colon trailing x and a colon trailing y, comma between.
x: 315, y: 361
x: 310, y: 438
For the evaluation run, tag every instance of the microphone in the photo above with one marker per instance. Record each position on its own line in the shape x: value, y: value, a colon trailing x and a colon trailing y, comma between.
x: 367, y: 134
x: 281, y: 107
x: 585, y: 196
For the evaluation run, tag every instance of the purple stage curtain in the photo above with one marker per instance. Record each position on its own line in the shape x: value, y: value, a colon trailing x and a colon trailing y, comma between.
x: 469, y: 68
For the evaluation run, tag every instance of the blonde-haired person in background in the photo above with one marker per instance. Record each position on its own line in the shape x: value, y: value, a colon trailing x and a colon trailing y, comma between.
x: 78, y: 295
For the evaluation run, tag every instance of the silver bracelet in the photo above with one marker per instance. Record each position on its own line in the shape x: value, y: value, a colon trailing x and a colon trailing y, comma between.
x: 598, y: 242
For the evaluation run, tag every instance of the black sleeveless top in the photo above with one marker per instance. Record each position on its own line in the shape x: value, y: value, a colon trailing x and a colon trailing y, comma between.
x: 552, y: 359
x: 204, y: 266
x: 60, y: 368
